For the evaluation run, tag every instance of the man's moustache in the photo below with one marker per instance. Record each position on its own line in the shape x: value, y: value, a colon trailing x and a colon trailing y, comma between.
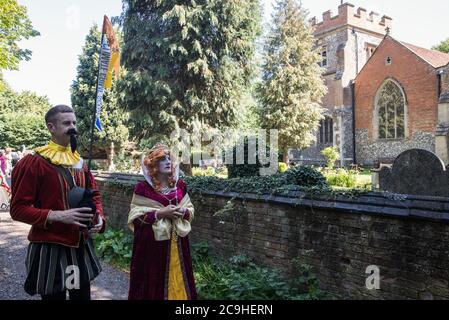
x: 73, y: 140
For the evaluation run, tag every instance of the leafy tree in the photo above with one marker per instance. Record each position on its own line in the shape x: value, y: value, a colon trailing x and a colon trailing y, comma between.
x: 17, y: 130
x: 14, y: 26
x: 22, y: 119
x: 83, y: 100
x: 292, y: 86
x: 7, y: 96
x: 189, y: 63
x: 443, y: 46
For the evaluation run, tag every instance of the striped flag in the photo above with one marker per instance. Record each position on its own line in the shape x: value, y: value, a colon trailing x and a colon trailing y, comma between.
x: 109, y: 63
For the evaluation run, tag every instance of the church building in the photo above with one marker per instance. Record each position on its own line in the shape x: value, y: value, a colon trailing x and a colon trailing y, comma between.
x: 384, y: 96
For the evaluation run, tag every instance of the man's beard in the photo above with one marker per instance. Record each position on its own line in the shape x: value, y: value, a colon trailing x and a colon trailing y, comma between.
x: 73, y: 140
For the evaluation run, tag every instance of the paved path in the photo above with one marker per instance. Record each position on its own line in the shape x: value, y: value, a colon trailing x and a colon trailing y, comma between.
x: 111, y: 284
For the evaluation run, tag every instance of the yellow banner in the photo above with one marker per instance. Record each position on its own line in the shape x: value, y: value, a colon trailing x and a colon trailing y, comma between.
x: 114, y: 64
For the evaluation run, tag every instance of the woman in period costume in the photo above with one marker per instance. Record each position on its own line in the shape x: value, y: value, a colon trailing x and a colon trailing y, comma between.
x: 160, y: 216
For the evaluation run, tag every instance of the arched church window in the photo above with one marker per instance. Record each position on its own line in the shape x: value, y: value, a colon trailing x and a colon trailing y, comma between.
x: 390, y: 108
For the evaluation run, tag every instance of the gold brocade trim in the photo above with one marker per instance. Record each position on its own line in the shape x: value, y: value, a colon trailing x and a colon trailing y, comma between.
x: 59, y: 155
x: 176, y: 286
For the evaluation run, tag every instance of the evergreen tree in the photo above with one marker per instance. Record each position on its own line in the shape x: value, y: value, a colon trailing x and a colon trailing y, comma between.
x: 188, y: 63
x: 83, y: 90
x: 292, y: 85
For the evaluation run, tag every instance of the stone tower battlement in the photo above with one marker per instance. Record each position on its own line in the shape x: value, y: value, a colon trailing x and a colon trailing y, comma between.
x: 347, y: 15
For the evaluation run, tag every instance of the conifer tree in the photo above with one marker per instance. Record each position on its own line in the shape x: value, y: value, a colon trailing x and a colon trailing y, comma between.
x: 113, y: 119
x: 188, y: 63
x: 292, y: 86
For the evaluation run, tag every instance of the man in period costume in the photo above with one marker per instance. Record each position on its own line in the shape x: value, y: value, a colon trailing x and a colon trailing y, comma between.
x: 60, y: 255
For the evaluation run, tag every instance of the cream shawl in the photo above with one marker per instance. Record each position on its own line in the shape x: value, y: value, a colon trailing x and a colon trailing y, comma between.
x: 163, y: 227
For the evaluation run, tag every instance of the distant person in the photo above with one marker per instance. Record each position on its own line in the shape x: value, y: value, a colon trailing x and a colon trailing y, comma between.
x: 15, y: 159
x: 8, y: 156
x: 3, y: 162
x: 5, y: 193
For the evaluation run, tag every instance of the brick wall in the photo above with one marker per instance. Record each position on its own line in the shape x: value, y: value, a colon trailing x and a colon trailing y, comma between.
x: 407, y: 238
x: 417, y: 78
x: 445, y: 80
x: 419, y: 83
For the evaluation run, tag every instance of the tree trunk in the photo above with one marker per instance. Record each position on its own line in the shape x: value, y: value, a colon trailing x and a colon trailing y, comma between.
x: 186, y: 168
x: 285, y: 157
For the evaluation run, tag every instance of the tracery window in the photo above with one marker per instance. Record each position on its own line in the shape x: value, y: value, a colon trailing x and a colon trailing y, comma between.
x: 391, y: 111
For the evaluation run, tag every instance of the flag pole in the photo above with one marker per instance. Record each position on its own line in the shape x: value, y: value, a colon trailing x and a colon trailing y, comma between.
x: 94, y: 111
x: 104, y: 76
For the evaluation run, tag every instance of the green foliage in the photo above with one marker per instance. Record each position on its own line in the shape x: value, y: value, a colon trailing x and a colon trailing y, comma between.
x: 443, y: 46
x: 295, y: 179
x: 188, y: 63
x: 331, y: 154
x: 22, y: 119
x: 306, y: 176
x: 247, y: 169
x: 14, y: 27
x: 341, y: 177
x: 238, y: 278
x: 222, y: 279
x: 292, y: 85
x: 209, y: 172
x: 282, y: 167
x: 21, y: 129
x: 113, y: 119
x: 114, y: 246
x: 127, y: 162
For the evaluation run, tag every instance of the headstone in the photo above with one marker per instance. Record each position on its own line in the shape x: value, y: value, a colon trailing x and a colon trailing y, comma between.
x: 416, y: 172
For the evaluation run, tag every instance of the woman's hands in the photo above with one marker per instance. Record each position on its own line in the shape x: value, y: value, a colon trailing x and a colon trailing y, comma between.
x: 170, y: 212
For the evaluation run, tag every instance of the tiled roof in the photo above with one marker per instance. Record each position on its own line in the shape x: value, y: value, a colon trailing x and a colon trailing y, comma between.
x: 435, y: 58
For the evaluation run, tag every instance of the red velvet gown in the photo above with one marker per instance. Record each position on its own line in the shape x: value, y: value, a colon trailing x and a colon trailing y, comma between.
x: 150, y: 258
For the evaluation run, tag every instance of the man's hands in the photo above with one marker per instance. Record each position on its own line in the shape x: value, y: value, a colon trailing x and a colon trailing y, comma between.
x: 97, y: 227
x: 72, y: 216
x: 170, y: 212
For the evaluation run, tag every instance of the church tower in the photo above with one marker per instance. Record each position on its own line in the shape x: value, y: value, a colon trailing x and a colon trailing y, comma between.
x: 345, y: 41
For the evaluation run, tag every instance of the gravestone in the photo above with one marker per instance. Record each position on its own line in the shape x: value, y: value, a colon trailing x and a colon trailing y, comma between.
x: 417, y: 172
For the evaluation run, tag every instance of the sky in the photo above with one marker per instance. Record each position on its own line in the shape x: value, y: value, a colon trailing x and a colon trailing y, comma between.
x: 64, y: 24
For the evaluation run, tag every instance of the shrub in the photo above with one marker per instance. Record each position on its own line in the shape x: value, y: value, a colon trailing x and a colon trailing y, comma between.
x: 305, y: 176
x: 341, y: 178
x: 331, y: 155
x: 114, y: 246
x: 282, y: 167
x: 246, y: 170
x: 199, y: 172
x: 238, y: 278
x: 243, y: 170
